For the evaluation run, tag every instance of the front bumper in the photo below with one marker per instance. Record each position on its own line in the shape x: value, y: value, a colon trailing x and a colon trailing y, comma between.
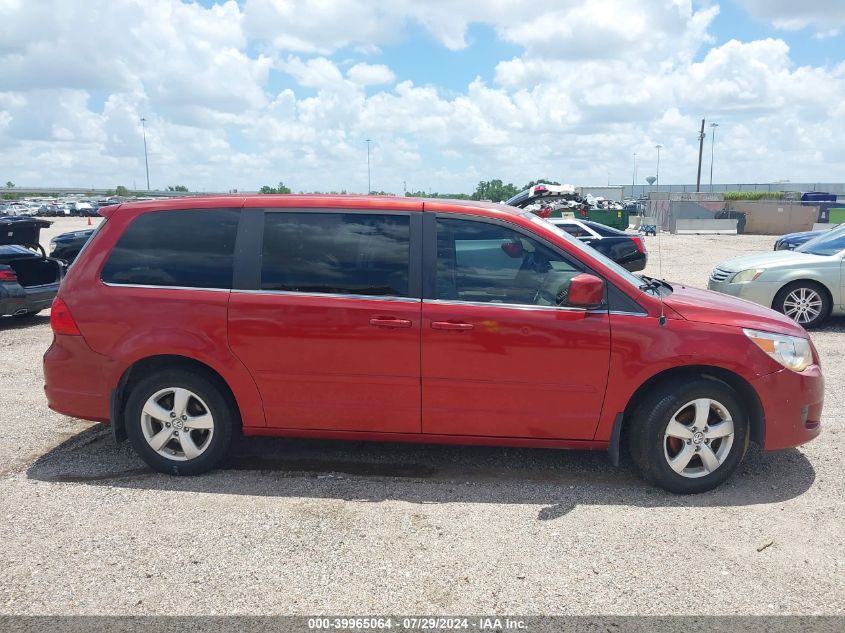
x: 762, y: 292
x: 792, y: 406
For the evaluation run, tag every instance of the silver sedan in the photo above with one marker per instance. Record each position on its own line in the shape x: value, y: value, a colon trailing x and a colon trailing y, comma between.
x: 805, y: 284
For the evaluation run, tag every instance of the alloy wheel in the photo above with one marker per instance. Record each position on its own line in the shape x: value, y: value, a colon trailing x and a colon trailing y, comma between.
x: 698, y: 438
x: 803, y: 305
x: 177, y: 424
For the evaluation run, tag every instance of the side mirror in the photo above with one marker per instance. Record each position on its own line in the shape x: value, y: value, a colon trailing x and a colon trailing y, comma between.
x: 586, y: 291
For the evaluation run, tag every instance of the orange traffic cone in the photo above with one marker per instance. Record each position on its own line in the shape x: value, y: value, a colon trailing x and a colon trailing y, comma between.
x: 89, y: 220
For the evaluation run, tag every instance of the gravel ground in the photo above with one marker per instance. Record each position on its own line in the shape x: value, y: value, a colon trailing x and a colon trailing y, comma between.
x: 310, y: 527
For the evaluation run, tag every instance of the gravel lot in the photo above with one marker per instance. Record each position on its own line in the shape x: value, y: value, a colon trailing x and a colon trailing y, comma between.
x: 311, y: 527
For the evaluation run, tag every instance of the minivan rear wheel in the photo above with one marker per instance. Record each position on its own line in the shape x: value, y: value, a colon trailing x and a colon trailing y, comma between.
x: 179, y: 422
x: 689, y: 436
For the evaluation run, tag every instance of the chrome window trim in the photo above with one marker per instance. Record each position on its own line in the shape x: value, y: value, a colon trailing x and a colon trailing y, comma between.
x: 624, y: 313
x: 332, y: 295
x: 156, y: 287
x: 516, y: 306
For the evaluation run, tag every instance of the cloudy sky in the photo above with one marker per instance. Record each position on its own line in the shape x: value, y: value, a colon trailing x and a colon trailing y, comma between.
x: 241, y: 94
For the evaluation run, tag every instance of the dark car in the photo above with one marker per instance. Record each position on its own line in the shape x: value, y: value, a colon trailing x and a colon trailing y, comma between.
x: 67, y: 245
x: 625, y: 249
x: 28, y: 279
x: 791, y: 241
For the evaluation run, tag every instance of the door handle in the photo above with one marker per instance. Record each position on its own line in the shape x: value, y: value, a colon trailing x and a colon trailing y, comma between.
x: 451, y: 325
x: 390, y: 322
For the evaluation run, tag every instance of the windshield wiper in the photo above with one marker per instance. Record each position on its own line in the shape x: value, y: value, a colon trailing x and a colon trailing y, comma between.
x: 653, y: 284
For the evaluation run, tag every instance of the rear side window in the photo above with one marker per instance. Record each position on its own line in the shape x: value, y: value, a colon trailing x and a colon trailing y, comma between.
x: 336, y: 253
x: 573, y: 229
x: 190, y: 248
x: 606, y: 231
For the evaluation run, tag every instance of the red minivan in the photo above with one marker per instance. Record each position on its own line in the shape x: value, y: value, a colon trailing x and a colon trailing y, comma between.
x: 185, y: 321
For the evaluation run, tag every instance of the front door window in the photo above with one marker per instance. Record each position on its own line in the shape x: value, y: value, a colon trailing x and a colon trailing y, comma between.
x: 485, y: 262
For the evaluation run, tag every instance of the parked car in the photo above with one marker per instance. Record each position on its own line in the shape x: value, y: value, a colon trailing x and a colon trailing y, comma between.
x: 625, y: 249
x: 791, y: 241
x: 805, y: 284
x: 82, y: 209
x: 400, y: 319
x: 29, y: 281
x: 66, y: 246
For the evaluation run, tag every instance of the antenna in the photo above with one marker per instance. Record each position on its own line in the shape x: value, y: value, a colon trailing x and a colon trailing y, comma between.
x: 662, y: 319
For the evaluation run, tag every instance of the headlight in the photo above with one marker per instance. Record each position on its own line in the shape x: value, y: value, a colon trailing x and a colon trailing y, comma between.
x: 747, y: 275
x: 52, y: 245
x: 790, y: 351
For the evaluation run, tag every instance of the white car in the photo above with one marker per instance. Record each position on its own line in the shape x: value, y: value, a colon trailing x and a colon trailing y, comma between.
x: 805, y: 284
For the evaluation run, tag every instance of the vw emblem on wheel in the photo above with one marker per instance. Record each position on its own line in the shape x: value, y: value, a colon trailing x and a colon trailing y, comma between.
x: 177, y: 424
x: 698, y: 437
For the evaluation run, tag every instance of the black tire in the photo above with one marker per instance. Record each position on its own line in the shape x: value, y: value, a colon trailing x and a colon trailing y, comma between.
x: 212, y: 397
x: 810, y: 286
x: 650, y: 447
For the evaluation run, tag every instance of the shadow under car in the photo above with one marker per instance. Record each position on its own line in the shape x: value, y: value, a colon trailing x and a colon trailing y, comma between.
x: 555, y: 480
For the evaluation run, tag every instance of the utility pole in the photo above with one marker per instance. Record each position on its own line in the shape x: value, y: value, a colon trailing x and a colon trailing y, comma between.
x: 369, y: 186
x: 701, y: 137
x: 634, y: 176
x: 404, y: 188
x: 659, y: 147
x: 146, y: 161
x: 713, y: 127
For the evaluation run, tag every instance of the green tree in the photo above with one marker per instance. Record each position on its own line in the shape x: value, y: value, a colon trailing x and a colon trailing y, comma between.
x: 280, y: 189
x: 182, y: 188
x: 539, y: 181
x: 10, y: 184
x: 120, y: 190
x: 494, y: 190
x: 425, y: 194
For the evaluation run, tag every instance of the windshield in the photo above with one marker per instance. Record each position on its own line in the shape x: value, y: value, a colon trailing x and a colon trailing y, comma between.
x: 635, y: 281
x: 830, y: 243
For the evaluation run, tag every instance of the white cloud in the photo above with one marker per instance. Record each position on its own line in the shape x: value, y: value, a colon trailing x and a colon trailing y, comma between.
x: 370, y: 74
x: 789, y: 15
x: 584, y: 94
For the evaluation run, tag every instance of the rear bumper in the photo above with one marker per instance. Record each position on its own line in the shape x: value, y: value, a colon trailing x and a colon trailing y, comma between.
x: 75, y: 380
x: 792, y: 406
x: 15, y: 299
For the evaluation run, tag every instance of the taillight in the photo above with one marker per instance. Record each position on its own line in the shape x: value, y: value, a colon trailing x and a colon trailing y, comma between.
x: 639, y: 242
x: 8, y: 275
x: 61, y: 320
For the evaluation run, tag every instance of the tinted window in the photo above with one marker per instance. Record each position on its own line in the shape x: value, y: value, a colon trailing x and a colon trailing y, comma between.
x: 606, y: 231
x: 176, y: 248
x: 337, y: 253
x: 480, y: 261
x: 574, y: 230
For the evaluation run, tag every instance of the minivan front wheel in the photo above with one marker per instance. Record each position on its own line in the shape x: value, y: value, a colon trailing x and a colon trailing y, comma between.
x: 689, y: 437
x: 178, y: 422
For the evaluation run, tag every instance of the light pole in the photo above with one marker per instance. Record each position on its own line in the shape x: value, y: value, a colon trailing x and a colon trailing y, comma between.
x: 146, y: 161
x: 369, y: 186
x: 659, y: 147
x: 634, y: 176
x: 713, y: 127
